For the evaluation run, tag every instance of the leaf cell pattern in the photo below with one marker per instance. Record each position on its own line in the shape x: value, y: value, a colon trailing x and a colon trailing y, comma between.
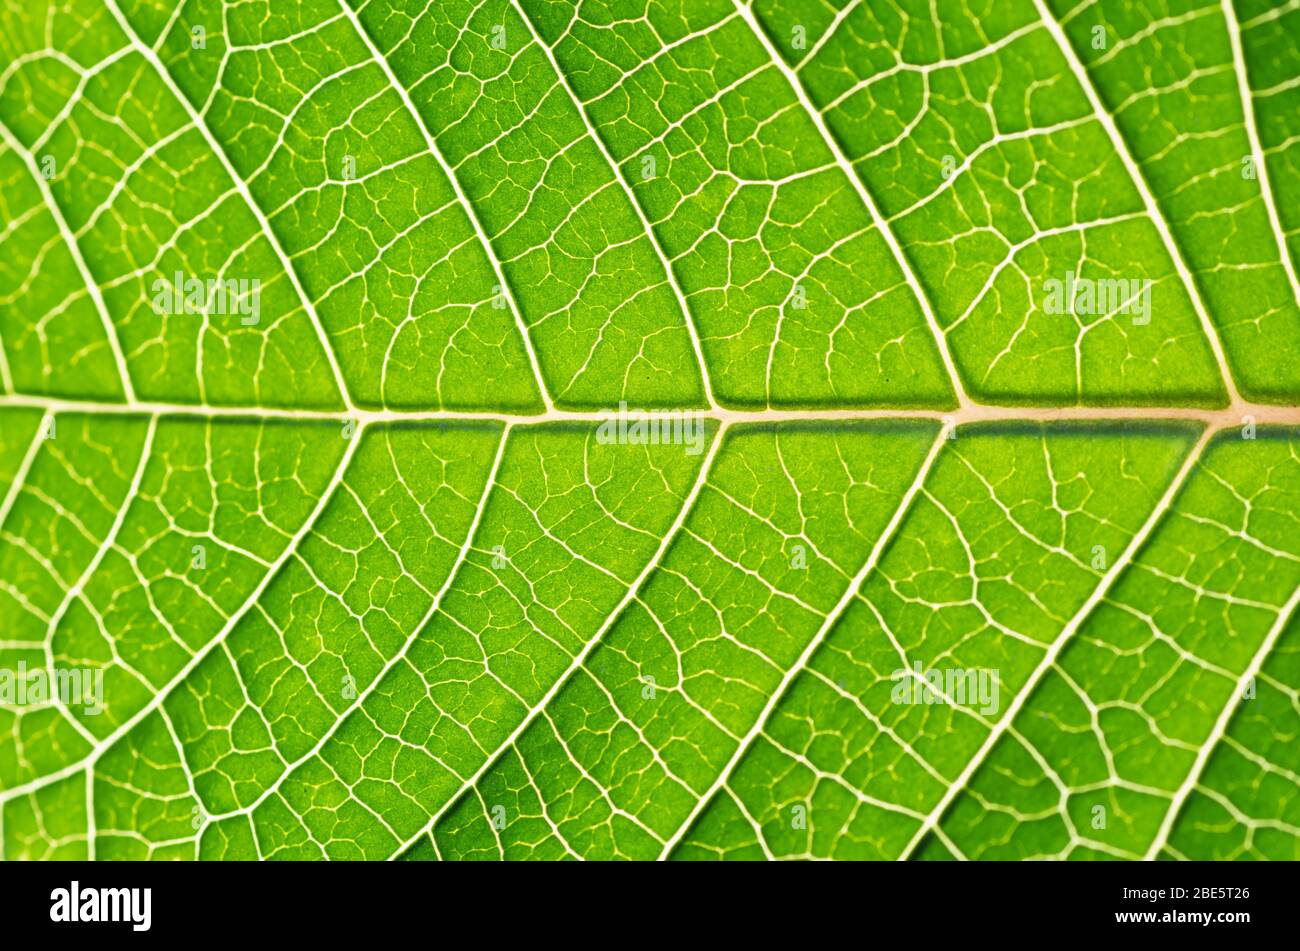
x: 361, y: 573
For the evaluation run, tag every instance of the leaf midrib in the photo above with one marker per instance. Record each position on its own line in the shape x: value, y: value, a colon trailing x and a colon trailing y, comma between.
x: 1224, y: 417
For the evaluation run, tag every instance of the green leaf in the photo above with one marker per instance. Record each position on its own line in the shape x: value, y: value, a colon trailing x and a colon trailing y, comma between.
x: 649, y: 429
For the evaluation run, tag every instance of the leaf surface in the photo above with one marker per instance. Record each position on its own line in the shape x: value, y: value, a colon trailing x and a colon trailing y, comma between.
x: 650, y: 429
